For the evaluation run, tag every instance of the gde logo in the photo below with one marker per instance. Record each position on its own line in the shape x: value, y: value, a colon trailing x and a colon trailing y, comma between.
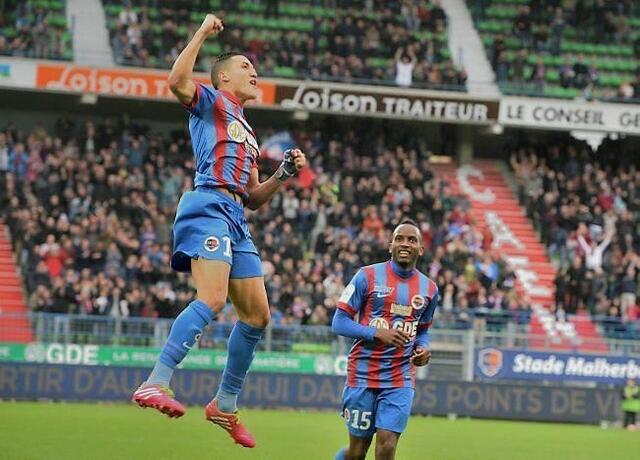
x: 490, y: 361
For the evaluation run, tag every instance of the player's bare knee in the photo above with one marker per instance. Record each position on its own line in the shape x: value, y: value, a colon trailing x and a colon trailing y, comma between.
x: 214, y: 302
x: 355, y: 454
x: 385, y: 447
x: 260, y: 319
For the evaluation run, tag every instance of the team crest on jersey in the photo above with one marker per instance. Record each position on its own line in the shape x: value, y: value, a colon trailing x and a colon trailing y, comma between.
x: 379, y: 323
x: 382, y: 291
x: 236, y: 131
x: 212, y: 244
x: 417, y: 302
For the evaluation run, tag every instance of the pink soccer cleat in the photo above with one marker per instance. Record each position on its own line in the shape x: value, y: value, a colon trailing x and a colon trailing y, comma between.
x: 160, y: 398
x: 230, y: 423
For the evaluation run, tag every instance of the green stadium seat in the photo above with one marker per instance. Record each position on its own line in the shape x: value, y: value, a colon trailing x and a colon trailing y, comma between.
x: 284, y: 72
x: 58, y: 21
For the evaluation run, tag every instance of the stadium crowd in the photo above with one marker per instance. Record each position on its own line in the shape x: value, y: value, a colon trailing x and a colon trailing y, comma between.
x: 90, y: 209
x: 31, y: 29
x: 587, y: 207
x: 399, y: 42
x: 577, y: 45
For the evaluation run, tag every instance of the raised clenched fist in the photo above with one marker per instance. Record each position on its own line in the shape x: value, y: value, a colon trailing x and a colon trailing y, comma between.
x: 212, y: 25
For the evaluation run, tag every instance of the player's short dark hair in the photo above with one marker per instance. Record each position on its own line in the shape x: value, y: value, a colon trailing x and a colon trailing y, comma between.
x: 408, y: 221
x: 219, y: 62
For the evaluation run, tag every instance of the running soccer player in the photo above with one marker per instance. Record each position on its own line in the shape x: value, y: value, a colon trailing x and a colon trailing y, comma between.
x: 394, y: 303
x: 211, y: 235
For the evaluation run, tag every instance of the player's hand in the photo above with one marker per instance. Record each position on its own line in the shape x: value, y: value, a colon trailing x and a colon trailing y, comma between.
x: 293, y: 161
x: 420, y: 357
x: 392, y: 337
x: 212, y: 25
x: 299, y: 159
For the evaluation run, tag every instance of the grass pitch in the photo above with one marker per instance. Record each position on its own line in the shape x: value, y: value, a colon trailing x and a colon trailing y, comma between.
x: 66, y: 431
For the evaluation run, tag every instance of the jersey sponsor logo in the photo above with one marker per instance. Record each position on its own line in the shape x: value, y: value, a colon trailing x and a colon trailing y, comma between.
x: 211, y: 244
x: 347, y: 293
x: 402, y: 310
x: 379, y: 323
x: 382, y: 291
x: 236, y: 131
x: 490, y: 361
x: 417, y: 302
x: 408, y: 327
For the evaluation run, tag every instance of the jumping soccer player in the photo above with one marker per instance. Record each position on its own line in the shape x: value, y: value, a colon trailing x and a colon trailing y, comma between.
x: 211, y: 235
x: 395, y: 305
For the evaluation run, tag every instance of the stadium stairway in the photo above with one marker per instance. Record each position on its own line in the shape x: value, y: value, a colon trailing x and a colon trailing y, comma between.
x: 12, y: 299
x: 494, y: 206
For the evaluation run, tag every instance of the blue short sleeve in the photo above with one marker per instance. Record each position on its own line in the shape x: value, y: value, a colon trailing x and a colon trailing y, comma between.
x: 203, y: 100
x: 354, y: 296
x: 427, y: 317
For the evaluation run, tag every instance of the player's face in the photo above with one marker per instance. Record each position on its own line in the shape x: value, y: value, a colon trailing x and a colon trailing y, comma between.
x: 406, y: 245
x: 243, y: 77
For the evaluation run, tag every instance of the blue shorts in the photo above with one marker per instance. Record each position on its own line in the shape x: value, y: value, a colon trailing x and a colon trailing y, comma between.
x: 367, y: 409
x: 209, y: 224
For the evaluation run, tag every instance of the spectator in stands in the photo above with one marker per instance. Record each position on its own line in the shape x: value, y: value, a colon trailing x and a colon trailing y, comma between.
x: 502, y: 68
x: 522, y: 25
x: 272, y: 8
x: 18, y: 161
x: 518, y: 68
x: 580, y: 72
x: 405, y: 60
x: 499, y: 49
x: 557, y: 29
x: 128, y: 16
x: 540, y: 39
x: 567, y: 74
x: 5, y: 156
x: 538, y: 76
x: 628, y: 290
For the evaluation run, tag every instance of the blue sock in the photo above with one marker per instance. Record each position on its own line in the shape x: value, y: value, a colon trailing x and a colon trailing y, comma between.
x: 241, y: 349
x: 342, y: 454
x: 185, y: 332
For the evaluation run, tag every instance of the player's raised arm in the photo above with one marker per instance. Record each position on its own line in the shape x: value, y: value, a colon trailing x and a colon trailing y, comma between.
x: 180, y: 78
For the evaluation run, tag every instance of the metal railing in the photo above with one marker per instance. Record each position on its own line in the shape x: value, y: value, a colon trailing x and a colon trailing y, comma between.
x: 543, y: 342
x: 452, y: 348
x: 152, y: 332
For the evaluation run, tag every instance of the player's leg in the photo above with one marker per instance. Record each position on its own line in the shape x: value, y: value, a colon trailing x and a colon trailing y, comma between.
x: 211, y: 281
x: 393, y: 408
x: 357, y: 449
x: 199, y: 247
x: 386, y: 443
x: 359, y: 412
x: 249, y: 297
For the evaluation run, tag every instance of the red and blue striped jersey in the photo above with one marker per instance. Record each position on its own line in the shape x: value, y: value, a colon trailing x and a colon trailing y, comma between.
x: 224, y: 144
x: 383, y: 299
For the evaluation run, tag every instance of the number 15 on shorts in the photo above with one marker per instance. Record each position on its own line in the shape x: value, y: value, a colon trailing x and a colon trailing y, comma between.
x: 360, y: 420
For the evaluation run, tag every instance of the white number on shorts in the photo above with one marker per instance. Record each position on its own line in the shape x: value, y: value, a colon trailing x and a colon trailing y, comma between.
x: 227, y: 246
x: 360, y: 420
